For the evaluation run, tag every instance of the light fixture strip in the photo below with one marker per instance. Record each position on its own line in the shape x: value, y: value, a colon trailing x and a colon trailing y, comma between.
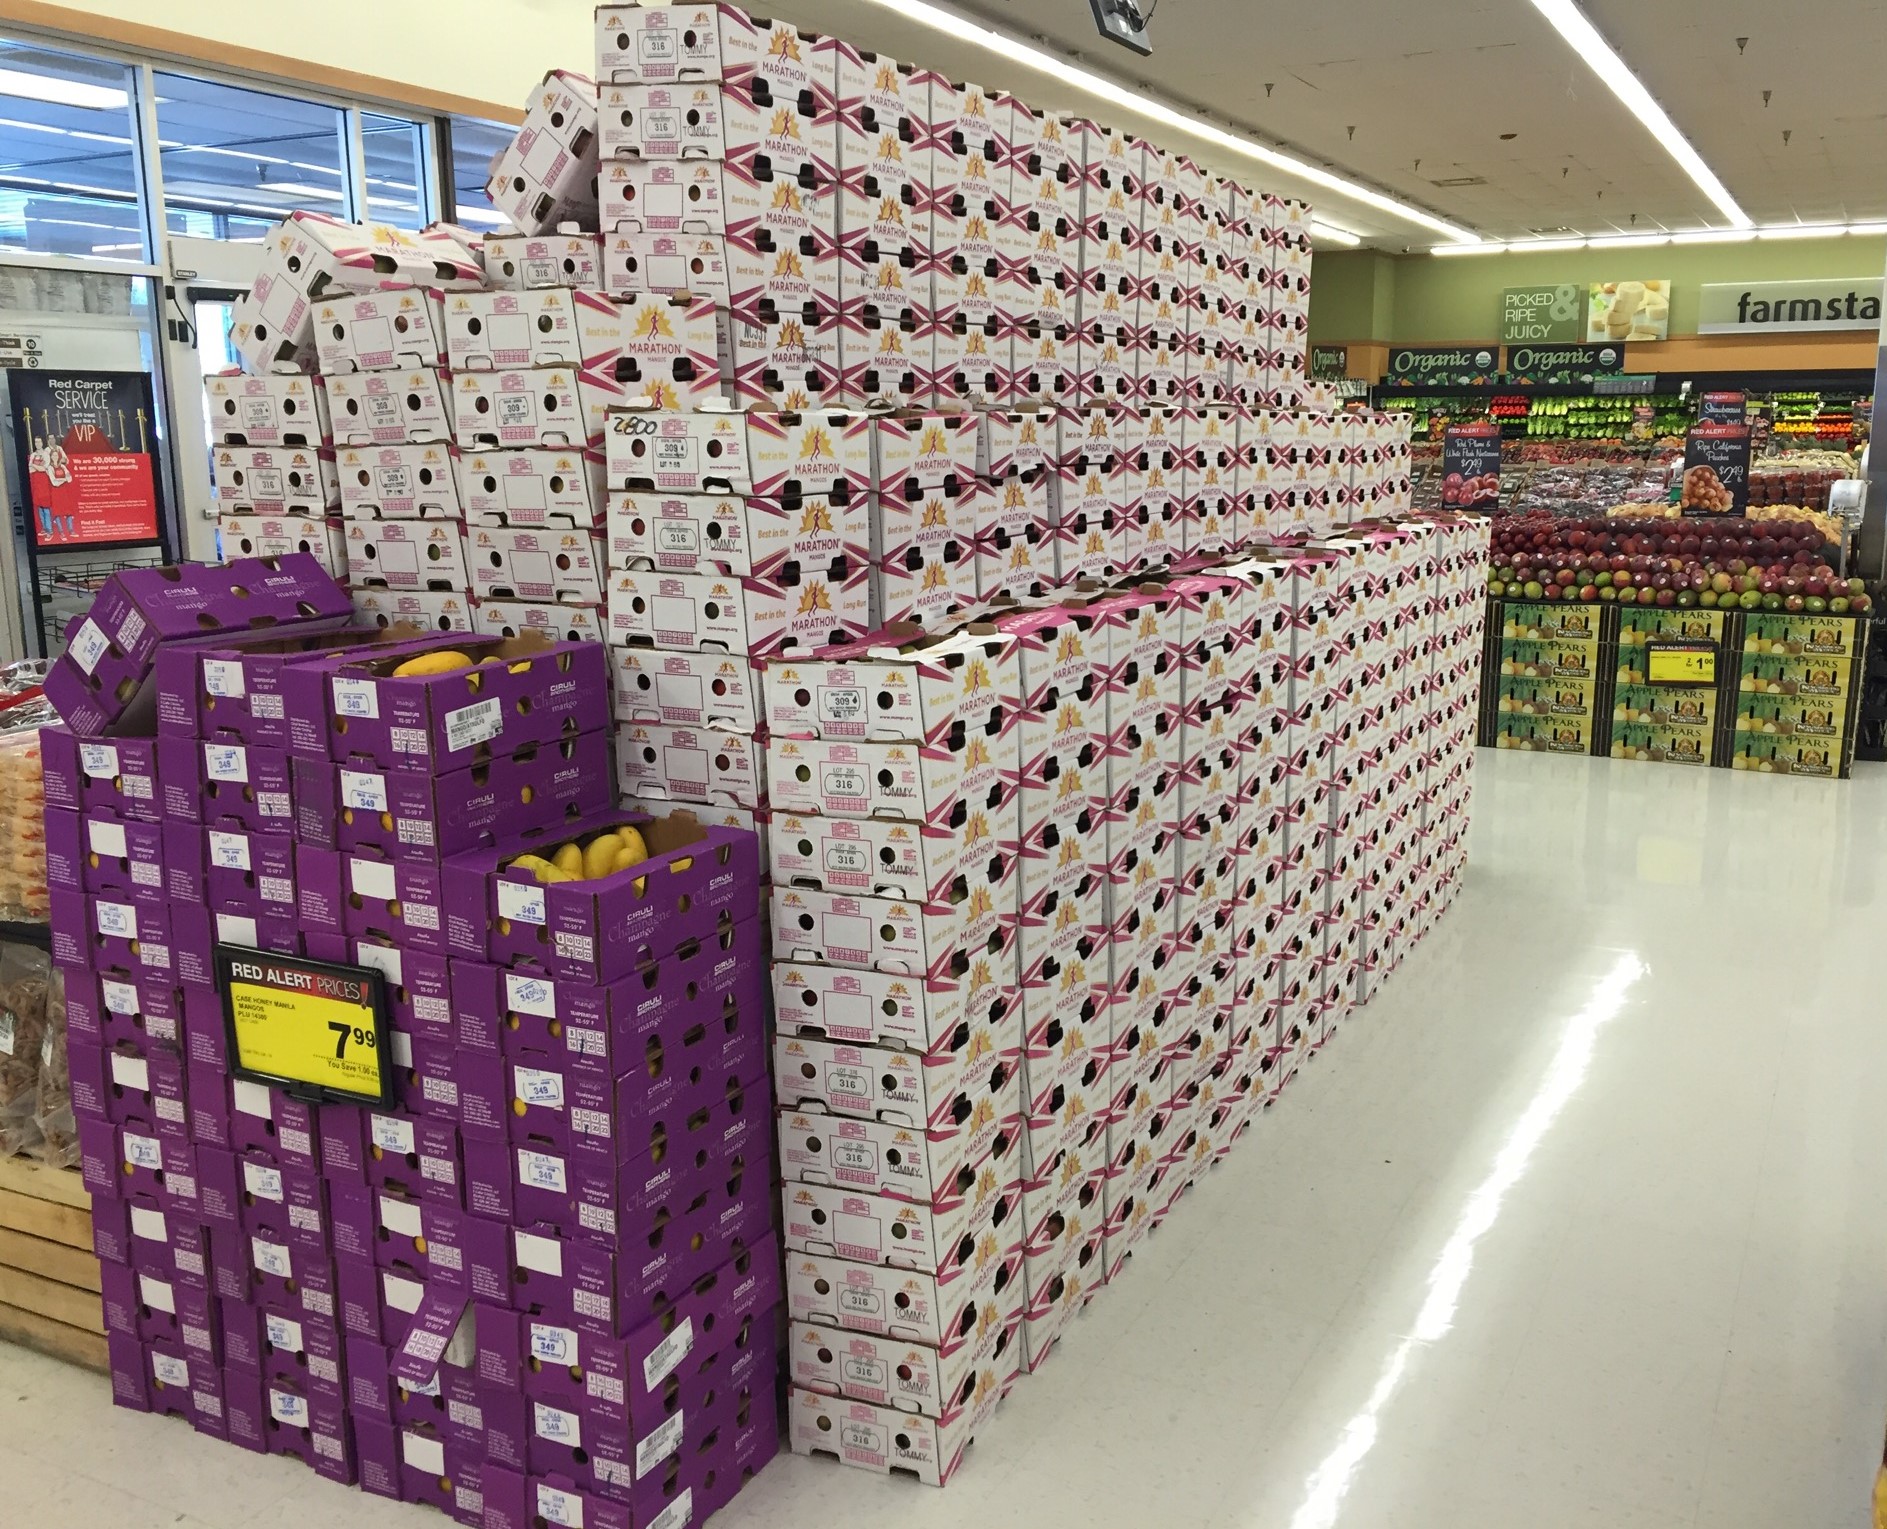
x: 1586, y: 40
x: 1016, y: 51
x: 1685, y: 236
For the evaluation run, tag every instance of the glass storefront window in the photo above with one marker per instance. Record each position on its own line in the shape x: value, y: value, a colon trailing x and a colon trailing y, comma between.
x: 475, y: 144
x: 236, y: 160
x: 395, y: 153
x: 68, y: 169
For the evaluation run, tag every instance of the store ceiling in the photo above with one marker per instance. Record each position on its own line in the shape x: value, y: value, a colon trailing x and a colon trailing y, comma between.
x: 1431, y: 88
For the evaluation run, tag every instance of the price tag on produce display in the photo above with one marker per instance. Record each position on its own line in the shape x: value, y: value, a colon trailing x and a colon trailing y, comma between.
x: 1470, y: 464
x: 1716, y: 471
x: 1681, y: 663
x: 1722, y: 409
x: 312, y: 1028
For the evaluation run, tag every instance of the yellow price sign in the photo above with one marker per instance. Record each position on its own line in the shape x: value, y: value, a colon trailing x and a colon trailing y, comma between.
x: 313, y: 1028
x: 1676, y: 664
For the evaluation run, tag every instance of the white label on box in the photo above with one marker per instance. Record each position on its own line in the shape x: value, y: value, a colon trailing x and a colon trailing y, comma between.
x: 423, y: 1454
x: 659, y: 1445
x: 107, y: 839
x: 382, y: 958
x: 541, y: 1255
x: 372, y: 878
x: 555, y: 1507
x: 399, y: 1217
x: 119, y: 920
x: 402, y: 1044
x: 356, y: 698
x: 363, y: 790
x: 402, y: 1294
x: 143, y: 1152
x: 229, y: 852
x: 252, y: 1098
x: 131, y: 1072
x: 288, y: 1409
x: 149, y: 1224
x: 88, y: 646
x: 841, y: 703
x: 98, y: 760
x: 236, y: 929
x: 536, y: 1086
x: 223, y: 677
x: 531, y: 995
x: 226, y: 761
x: 522, y: 902
x: 668, y: 1353
x: 272, y: 1258
x: 553, y: 1345
x: 391, y: 1133
x: 678, y: 1513
x: 555, y: 1423
x: 170, y: 1371
x: 120, y: 997
x: 475, y: 724
x: 283, y: 1333
x: 542, y: 1171
x: 262, y: 1181
x: 157, y: 1294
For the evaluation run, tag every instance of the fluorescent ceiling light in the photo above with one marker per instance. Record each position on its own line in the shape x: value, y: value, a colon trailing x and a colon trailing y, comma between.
x: 301, y: 188
x: 1325, y: 230
x: 1016, y: 51
x: 1687, y: 236
x: 1571, y: 23
x: 50, y: 88
x: 114, y: 249
x: 484, y: 215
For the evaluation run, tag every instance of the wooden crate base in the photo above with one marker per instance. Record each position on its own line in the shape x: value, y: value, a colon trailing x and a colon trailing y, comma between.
x: 48, y: 1275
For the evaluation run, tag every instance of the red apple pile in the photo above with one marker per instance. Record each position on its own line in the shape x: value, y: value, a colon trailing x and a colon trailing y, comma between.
x: 1733, y: 564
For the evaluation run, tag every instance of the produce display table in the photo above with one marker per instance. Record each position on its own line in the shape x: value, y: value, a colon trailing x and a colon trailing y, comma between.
x: 49, y: 1278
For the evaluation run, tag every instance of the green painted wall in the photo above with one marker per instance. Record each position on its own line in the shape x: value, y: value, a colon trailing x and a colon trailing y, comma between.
x: 1433, y: 300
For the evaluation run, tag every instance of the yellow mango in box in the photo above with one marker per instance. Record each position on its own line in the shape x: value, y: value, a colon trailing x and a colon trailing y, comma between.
x: 569, y: 859
x: 441, y: 661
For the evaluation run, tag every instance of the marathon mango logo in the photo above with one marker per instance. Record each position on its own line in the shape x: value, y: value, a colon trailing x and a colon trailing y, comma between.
x: 975, y: 829
x: 652, y: 324
x: 814, y: 600
x: 936, y: 576
x: 1069, y: 718
x: 788, y: 265
x: 976, y: 287
x: 934, y: 513
x: 1012, y: 496
x: 886, y: 80
x: 1070, y: 1170
x: 1066, y: 916
x: 890, y: 343
x: 890, y: 210
x: 1019, y: 556
x: 786, y: 197
x: 817, y: 517
x: 1070, y: 787
x: 1070, y: 855
x: 988, y: 1250
x: 1073, y: 975
x: 792, y: 336
x: 980, y: 903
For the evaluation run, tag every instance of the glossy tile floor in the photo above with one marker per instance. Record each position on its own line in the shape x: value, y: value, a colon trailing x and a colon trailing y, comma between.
x: 1582, y: 1222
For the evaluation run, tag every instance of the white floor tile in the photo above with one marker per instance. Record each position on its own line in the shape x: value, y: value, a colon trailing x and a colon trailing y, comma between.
x: 1581, y: 1222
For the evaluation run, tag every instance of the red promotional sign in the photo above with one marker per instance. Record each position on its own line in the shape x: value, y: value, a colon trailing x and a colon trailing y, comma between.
x: 87, y: 445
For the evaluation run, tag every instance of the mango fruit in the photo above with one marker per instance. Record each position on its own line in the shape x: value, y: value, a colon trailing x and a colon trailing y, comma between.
x: 634, y: 849
x: 440, y: 661
x: 599, y: 856
x: 569, y: 859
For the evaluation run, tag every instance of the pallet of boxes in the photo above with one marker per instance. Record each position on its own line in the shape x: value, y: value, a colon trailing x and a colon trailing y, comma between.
x: 500, y: 1239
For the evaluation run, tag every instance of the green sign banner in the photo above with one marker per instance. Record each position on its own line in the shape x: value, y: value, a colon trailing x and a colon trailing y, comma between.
x: 1428, y: 366
x: 1329, y: 363
x: 1553, y: 315
x: 1563, y: 363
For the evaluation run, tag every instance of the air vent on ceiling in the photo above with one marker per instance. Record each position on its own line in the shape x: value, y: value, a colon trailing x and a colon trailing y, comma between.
x: 1548, y: 233
x: 1461, y: 180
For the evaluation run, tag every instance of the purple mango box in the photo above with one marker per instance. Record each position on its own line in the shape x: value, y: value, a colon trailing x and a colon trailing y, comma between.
x: 118, y: 775
x: 231, y: 869
x: 271, y: 1199
x: 398, y: 1231
x: 588, y: 1196
x: 449, y: 1401
x: 692, y: 1336
x: 393, y: 1304
x: 209, y: 781
x: 389, y: 1150
x: 289, y: 1276
x: 215, y: 687
x: 417, y: 814
x: 169, y: 1380
x: 132, y: 934
x: 205, y: 1040
x: 139, y: 1233
x: 212, y: 1110
x: 284, y: 1346
x: 514, y: 1500
x: 419, y: 985
x: 626, y: 1025
x: 637, y: 1460
x: 697, y: 879
x: 267, y: 1121
x: 281, y: 1416
x: 141, y: 1088
x: 362, y: 896
x: 519, y: 690
x: 101, y: 853
x: 416, y: 1463
x: 111, y: 648
x: 104, y: 1008
x: 144, y: 1304
x: 304, y: 686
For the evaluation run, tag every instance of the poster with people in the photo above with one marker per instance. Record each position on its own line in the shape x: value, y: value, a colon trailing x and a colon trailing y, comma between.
x: 85, y: 444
